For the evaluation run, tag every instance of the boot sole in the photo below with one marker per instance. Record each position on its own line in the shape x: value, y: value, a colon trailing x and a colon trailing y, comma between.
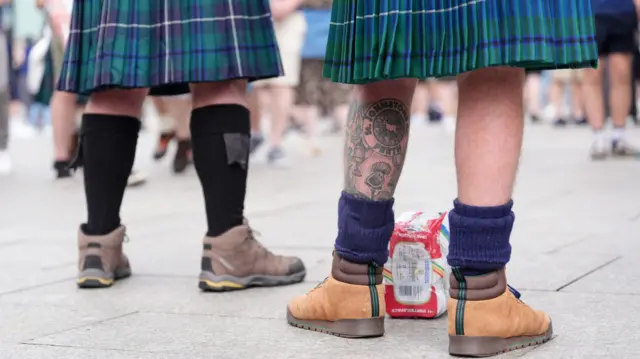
x: 478, y: 347
x: 210, y: 282
x: 93, y: 278
x: 345, y: 328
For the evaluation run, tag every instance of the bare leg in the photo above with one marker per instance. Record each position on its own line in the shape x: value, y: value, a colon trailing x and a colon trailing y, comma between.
x: 594, y: 108
x: 556, y: 100
x: 179, y: 110
x: 63, y: 118
x: 420, y: 105
x: 489, y: 135
x: 281, y: 99
x: 253, y: 101
x: 281, y: 104
x: 377, y: 137
x: 620, y: 94
x: 532, y: 94
x: 340, y: 114
x: 577, y: 104
x: 308, y: 115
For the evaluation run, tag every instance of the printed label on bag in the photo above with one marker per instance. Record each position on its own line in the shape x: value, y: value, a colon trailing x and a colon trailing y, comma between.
x: 411, y: 270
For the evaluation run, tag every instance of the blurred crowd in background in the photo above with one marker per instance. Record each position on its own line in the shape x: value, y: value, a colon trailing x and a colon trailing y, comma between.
x: 302, y: 100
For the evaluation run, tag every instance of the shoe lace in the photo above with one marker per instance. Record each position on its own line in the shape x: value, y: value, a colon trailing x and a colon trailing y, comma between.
x: 516, y: 294
x: 319, y: 285
x: 251, y: 236
x: 127, y: 239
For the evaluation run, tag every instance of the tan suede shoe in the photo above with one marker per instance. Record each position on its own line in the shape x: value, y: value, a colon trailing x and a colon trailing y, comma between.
x: 349, y: 303
x: 486, y: 318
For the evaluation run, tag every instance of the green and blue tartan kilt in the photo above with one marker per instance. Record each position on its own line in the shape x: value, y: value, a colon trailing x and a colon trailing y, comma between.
x: 373, y: 40
x: 167, y: 44
x: 47, y: 85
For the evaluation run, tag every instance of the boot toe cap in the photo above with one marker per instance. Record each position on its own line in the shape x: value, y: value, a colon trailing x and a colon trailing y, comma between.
x: 296, y: 266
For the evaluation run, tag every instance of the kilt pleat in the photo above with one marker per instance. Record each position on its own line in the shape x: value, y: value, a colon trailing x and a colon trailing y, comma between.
x: 161, y: 43
x: 372, y: 40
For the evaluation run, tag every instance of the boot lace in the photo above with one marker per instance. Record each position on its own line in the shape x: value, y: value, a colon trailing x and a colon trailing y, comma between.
x: 318, y: 286
x: 516, y: 294
x: 251, y: 236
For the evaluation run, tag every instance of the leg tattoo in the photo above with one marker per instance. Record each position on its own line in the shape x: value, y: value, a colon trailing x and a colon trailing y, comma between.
x: 375, y: 148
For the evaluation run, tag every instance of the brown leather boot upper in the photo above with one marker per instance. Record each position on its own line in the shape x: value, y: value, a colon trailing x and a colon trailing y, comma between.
x: 237, y: 253
x: 485, y: 306
x: 352, y: 291
x: 102, y: 252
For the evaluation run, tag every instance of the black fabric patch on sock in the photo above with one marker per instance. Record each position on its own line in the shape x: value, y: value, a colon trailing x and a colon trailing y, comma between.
x: 107, y: 148
x: 220, y: 140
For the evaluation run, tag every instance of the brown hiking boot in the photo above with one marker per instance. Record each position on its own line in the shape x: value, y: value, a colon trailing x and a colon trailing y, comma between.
x: 349, y: 303
x: 486, y: 317
x: 236, y: 260
x: 101, y: 260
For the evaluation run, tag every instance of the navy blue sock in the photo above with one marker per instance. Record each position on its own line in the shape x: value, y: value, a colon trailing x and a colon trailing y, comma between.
x: 479, y: 237
x: 364, y: 229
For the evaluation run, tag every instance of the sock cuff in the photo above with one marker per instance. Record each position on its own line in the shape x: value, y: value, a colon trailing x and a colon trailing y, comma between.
x: 217, y: 119
x: 119, y: 124
x: 364, y: 229
x: 478, y: 242
x: 493, y: 212
x: 371, y: 214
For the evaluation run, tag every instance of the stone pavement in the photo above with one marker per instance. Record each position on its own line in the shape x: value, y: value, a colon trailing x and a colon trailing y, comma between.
x: 575, y: 247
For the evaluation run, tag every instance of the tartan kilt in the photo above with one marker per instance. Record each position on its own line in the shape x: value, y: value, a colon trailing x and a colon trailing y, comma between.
x: 371, y: 40
x: 166, y: 44
x: 47, y: 86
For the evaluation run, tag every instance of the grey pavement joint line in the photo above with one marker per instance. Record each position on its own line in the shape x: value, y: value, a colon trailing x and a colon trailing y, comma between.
x: 97, y: 322
x: 570, y: 244
x: 36, y: 286
x: 588, y: 273
x: 86, y: 348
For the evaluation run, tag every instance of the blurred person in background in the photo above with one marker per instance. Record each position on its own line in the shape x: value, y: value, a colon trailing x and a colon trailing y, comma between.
x: 561, y: 80
x: 616, y: 26
x: 213, y: 61
x: 253, y: 104
x: 279, y: 93
x: 64, y: 107
x: 436, y: 100
x: 173, y: 116
x: 5, y: 93
x: 532, y: 94
x: 315, y: 94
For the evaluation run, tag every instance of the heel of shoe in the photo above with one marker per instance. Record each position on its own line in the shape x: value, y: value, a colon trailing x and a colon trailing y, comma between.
x: 94, y: 278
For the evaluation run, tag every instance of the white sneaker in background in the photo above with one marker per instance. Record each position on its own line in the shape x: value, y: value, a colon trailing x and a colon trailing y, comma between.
x: 5, y: 163
x: 136, y: 178
x: 449, y: 123
x: 599, y: 149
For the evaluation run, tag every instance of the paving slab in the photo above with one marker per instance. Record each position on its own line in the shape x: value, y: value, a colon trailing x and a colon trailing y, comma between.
x: 590, y: 325
x: 573, y: 253
x: 226, y: 337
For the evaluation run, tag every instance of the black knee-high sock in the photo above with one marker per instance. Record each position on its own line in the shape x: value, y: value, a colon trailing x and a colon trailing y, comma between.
x: 108, y: 149
x: 220, y: 140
